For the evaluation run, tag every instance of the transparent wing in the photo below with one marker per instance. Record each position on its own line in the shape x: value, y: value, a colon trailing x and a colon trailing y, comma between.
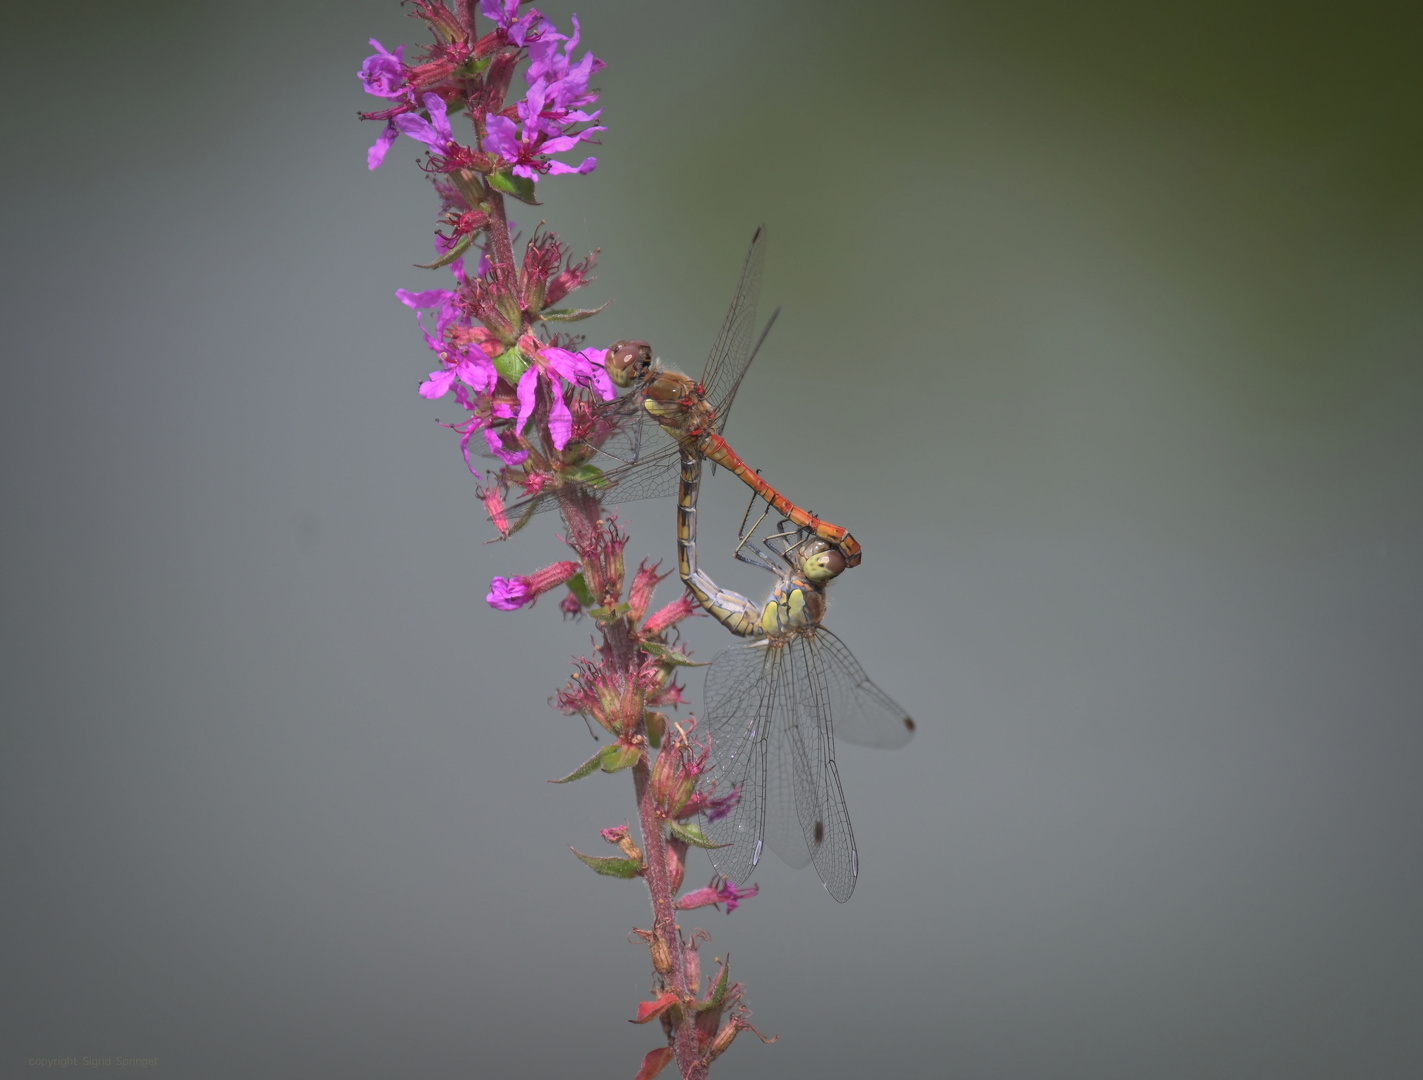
x: 731, y: 354
x: 637, y: 460
x: 738, y: 697
x: 864, y: 715
x: 825, y: 819
x: 767, y: 711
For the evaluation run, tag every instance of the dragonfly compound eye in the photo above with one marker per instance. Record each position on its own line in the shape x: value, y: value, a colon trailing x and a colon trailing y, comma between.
x: 823, y: 565
x: 627, y: 360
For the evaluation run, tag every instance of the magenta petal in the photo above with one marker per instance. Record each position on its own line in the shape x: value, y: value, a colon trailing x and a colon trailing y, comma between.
x: 528, y: 395
x: 560, y: 420
x: 376, y: 154
x: 464, y: 449
x: 478, y: 377
x: 558, y: 168
x: 417, y: 128
x: 438, y: 384
x: 500, y: 137
x: 564, y: 362
x: 508, y: 594
x: 496, y: 447
x: 604, y: 385
x: 439, y: 117
x: 430, y: 298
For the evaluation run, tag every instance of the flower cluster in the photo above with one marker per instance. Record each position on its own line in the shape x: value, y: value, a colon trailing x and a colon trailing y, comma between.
x: 527, y: 390
x: 552, y: 114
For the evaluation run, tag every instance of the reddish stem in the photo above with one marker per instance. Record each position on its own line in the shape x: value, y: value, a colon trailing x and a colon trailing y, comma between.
x: 622, y: 650
x: 498, y: 228
x: 465, y: 8
x: 664, y: 915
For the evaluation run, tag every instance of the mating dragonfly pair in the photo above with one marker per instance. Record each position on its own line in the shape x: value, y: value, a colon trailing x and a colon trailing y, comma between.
x: 775, y: 704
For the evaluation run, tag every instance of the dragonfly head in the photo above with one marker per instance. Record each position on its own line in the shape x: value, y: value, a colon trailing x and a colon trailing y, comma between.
x: 628, y: 362
x: 820, y: 562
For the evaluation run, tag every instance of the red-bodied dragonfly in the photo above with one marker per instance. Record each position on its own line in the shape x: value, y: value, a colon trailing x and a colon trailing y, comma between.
x: 775, y: 705
x: 633, y: 444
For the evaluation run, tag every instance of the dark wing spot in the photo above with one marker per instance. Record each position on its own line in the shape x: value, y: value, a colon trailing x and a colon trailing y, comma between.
x: 819, y: 833
x: 909, y: 723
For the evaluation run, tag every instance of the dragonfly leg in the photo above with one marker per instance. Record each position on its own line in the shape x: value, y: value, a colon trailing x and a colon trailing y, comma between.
x: 745, y: 532
x: 757, y: 556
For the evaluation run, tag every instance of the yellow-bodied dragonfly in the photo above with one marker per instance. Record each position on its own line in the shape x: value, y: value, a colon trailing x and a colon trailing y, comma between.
x: 775, y: 705
x: 641, y: 436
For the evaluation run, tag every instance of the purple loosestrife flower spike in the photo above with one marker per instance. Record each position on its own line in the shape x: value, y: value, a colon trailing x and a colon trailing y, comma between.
x: 498, y: 356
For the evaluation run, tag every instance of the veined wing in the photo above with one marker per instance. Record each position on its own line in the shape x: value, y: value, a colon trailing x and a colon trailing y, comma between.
x: 731, y: 353
x: 767, y: 717
x: 739, y: 691
x: 864, y: 714
x: 820, y: 800
x: 637, y: 460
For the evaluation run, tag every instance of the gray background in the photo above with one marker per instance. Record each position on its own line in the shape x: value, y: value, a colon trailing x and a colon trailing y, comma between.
x: 1102, y: 331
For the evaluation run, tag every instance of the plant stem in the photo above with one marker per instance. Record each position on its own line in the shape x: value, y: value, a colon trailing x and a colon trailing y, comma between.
x: 664, y: 916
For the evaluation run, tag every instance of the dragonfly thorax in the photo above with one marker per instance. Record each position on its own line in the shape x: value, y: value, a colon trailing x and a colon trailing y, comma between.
x: 796, y: 606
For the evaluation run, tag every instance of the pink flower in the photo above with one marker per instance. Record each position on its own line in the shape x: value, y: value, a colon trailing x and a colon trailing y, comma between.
x: 553, y: 364
x: 510, y: 594
x: 383, y: 73
x: 728, y: 893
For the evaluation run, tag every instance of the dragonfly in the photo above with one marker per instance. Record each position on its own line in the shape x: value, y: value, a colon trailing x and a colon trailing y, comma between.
x: 641, y: 435
x: 776, y: 704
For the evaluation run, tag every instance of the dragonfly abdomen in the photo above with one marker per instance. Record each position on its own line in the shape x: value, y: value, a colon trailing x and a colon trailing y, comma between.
x: 731, y: 609
x: 715, y: 448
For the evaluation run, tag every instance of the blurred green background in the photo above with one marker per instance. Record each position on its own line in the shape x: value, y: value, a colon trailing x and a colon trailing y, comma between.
x: 1101, y: 331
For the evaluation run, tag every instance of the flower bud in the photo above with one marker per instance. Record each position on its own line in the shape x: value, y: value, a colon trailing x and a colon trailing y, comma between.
x: 493, y: 501
x: 666, y: 617
x: 644, y: 583
x: 674, y: 777
x: 677, y: 861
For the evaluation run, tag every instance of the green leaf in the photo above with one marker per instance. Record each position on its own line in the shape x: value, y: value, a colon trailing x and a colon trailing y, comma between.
x: 571, y: 314
x: 584, y: 769
x: 579, y: 587
x: 511, y: 363
x: 609, y: 614
x: 619, y: 756
x: 692, y: 834
x: 670, y: 656
x: 714, y: 1002
x: 521, y: 187
x: 451, y: 255
x: 585, y: 474
x: 610, y: 867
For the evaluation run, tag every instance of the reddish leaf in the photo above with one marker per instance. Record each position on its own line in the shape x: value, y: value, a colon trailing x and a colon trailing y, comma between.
x: 651, y: 1010
x: 654, y: 1063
